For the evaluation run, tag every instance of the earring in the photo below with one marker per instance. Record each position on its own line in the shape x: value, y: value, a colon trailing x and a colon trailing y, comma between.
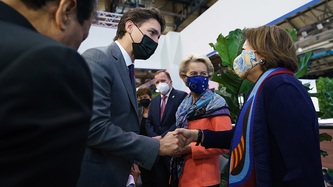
x: 262, y: 61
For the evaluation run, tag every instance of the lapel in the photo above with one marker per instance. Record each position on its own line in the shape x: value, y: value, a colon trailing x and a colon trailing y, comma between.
x: 115, y: 53
x: 156, y: 107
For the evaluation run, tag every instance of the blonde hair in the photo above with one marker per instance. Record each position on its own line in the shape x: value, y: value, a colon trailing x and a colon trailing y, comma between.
x: 183, y: 66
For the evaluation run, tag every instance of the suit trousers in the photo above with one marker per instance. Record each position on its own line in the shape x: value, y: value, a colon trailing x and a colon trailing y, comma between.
x: 161, y: 172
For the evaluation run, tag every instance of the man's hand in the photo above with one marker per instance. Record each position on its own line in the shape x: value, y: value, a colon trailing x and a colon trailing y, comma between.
x: 135, y: 172
x: 170, y: 144
x: 184, y: 151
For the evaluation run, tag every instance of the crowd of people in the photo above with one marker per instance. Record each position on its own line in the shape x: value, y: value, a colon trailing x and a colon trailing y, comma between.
x: 77, y: 120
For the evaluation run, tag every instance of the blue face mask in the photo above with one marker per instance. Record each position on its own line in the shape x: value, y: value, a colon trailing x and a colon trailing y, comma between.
x: 197, y: 84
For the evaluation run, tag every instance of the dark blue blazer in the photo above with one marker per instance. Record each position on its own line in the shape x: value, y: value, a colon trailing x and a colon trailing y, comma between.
x: 156, y: 127
x: 285, y: 134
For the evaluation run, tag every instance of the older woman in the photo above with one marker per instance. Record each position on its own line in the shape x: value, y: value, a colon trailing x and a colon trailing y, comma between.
x: 276, y: 137
x: 201, y: 109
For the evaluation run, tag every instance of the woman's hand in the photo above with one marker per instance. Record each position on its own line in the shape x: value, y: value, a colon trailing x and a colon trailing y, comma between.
x: 190, y: 135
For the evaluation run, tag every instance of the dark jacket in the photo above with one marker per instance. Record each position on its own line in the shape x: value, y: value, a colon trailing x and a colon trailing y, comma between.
x: 156, y: 127
x: 45, y: 106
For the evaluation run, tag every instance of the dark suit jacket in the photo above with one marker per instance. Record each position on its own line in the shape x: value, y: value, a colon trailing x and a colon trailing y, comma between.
x: 113, y: 143
x: 46, y: 102
x: 156, y: 127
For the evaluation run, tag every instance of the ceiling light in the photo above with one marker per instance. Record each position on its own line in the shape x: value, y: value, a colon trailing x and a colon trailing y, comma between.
x: 299, y: 50
x: 320, y: 26
x: 304, y: 34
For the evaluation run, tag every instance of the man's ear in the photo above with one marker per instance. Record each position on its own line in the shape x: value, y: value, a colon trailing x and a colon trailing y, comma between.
x: 64, y: 13
x: 129, y: 26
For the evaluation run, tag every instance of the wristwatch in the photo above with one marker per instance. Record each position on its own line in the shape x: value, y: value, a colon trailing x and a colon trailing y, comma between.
x: 199, y: 137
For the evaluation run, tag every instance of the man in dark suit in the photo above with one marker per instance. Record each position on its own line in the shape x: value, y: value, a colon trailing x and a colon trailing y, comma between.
x: 161, y: 120
x: 113, y: 143
x: 46, y: 91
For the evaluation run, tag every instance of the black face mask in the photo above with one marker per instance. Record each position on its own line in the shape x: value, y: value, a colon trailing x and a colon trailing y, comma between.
x: 145, y: 48
x: 144, y: 102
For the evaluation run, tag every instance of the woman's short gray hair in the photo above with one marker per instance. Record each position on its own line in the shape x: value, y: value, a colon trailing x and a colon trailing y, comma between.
x: 183, y: 66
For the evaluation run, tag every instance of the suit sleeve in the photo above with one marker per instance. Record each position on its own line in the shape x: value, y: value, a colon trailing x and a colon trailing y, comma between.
x: 104, y: 134
x: 219, y: 123
x: 217, y: 139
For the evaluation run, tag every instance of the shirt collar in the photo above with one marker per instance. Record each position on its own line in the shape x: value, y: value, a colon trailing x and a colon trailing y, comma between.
x: 127, y: 58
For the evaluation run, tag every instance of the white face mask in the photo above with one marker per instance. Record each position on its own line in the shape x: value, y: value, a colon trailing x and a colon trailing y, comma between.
x: 163, y: 87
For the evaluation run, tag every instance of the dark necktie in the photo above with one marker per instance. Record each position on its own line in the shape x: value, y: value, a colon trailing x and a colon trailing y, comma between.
x: 131, y: 72
x: 163, y: 105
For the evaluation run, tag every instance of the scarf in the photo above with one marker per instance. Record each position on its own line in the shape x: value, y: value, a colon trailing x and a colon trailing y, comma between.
x: 208, y: 105
x: 242, y: 171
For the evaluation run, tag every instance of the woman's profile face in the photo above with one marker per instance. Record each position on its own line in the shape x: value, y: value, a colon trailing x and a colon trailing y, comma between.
x: 247, y: 47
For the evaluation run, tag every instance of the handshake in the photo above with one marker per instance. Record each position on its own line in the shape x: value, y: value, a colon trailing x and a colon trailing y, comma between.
x: 174, y: 143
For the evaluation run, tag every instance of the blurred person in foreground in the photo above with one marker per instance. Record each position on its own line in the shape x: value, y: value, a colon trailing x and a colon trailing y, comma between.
x: 196, y: 166
x: 46, y: 91
x: 113, y: 142
x: 276, y: 138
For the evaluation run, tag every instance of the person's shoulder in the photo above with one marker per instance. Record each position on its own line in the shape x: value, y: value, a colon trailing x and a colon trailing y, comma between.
x: 180, y: 92
x: 95, y: 51
x: 103, y: 53
x: 278, y: 80
x: 39, y: 54
x: 282, y: 84
x: 156, y: 98
x: 218, y: 98
x: 46, y: 52
x: 25, y: 38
